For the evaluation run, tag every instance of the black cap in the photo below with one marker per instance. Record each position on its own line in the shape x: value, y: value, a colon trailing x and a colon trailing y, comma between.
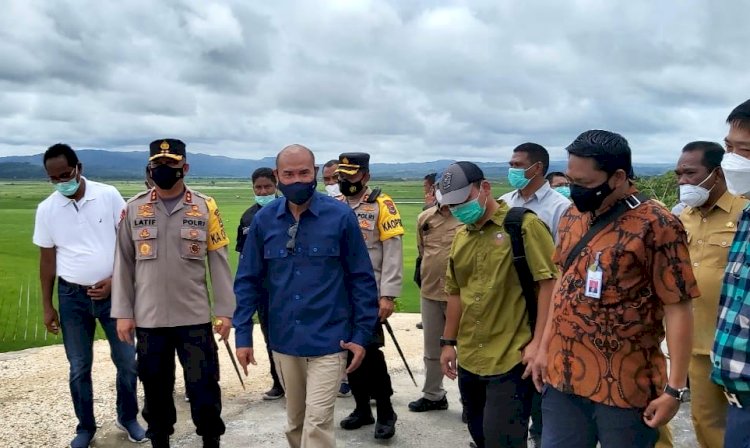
x: 171, y: 148
x: 351, y: 162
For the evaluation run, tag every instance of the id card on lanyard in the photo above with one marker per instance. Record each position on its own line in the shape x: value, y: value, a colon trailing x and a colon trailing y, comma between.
x: 594, y: 279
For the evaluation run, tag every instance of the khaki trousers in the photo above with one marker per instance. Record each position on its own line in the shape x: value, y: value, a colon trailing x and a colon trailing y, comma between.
x: 708, y: 404
x: 433, y: 322
x: 311, y: 385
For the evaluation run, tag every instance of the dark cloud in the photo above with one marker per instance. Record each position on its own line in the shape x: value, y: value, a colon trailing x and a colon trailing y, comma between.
x: 413, y: 80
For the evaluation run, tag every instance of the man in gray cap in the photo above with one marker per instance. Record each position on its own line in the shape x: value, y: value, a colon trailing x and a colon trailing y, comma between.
x: 486, y: 314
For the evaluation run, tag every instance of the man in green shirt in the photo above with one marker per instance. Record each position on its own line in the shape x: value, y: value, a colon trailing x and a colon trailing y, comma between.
x: 486, y: 313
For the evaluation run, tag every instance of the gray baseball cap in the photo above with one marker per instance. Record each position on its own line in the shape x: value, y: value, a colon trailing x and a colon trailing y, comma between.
x: 455, y: 185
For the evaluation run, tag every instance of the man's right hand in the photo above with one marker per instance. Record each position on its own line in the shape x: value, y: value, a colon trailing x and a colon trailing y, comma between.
x: 245, y: 356
x: 125, y: 330
x: 51, y: 320
x: 448, y: 362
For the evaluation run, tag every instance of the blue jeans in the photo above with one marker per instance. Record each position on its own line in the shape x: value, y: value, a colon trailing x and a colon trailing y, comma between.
x: 737, y: 434
x: 573, y: 421
x: 78, y: 314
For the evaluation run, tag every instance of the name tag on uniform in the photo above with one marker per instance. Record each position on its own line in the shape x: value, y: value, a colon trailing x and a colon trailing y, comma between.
x: 594, y: 279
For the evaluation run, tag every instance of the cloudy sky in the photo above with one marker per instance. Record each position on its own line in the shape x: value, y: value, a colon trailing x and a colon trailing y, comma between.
x: 407, y: 80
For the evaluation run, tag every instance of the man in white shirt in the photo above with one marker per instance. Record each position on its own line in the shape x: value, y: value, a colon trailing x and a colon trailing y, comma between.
x: 75, y: 230
x: 528, y: 166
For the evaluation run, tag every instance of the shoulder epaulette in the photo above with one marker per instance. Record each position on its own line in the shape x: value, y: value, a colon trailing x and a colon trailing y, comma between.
x: 373, y: 196
x: 139, y: 195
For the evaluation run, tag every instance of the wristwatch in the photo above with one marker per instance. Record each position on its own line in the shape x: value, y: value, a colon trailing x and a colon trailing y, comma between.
x: 681, y: 395
x: 444, y: 342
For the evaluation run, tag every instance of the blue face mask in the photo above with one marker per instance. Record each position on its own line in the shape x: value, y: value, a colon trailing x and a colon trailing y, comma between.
x: 470, y: 212
x: 68, y: 188
x: 563, y: 190
x: 264, y: 200
x: 517, y: 177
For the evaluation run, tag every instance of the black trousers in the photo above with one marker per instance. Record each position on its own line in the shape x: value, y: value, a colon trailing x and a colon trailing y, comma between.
x: 497, y: 407
x: 371, y: 379
x: 197, y: 352
x: 263, y: 319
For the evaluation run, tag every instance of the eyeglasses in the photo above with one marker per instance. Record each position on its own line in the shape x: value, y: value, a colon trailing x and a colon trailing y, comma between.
x: 292, y: 233
x: 64, y: 177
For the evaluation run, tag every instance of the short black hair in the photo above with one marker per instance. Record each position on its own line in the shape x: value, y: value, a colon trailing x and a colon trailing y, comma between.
x: 431, y: 178
x: 264, y: 172
x: 713, y: 153
x: 554, y: 174
x: 740, y: 116
x: 330, y: 163
x: 609, y: 150
x: 61, y: 149
x: 537, y: 153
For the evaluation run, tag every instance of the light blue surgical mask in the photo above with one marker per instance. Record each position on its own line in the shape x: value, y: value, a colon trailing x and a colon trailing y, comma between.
x: 470, y: 212
x: 68, y: 188
x: 264, y: 200
x: 563, y: 190
x: 517, y: 177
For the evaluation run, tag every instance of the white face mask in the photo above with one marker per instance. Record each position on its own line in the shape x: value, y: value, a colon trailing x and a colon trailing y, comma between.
x: 695, y: 195
x: 737, y: 172
x: 333, y: 190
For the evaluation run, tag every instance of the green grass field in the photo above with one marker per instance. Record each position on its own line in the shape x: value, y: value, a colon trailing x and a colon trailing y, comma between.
x: 20, y: 303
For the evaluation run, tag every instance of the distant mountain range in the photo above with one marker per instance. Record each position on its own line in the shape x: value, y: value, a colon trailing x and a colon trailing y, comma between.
x: 102, y: 164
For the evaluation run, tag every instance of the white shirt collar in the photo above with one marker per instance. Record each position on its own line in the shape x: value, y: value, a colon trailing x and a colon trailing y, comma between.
x: 539, y: 194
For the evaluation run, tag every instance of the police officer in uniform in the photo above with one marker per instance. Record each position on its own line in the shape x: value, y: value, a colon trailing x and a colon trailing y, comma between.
x: 159, y: 292
x: 382, y: 229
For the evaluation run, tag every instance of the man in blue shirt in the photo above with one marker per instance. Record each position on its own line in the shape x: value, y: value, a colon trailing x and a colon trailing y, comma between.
x: 308, y: 252
x: 731, y: 350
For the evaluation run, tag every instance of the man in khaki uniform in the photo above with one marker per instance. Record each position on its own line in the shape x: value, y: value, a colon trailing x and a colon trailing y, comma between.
x: 382, y: 229
x: 436, y: 228
x: 710, y: 220
x: 159, y: 291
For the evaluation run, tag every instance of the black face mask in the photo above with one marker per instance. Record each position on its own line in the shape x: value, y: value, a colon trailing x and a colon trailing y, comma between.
x: 298, y: 192
x: 589, y: 199
x: 348, y: 188
x: 165, y: 176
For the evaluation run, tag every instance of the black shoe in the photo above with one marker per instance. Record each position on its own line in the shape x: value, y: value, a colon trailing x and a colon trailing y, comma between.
x: 160, y: 441
x: 357, y: 420
x: 420, y: 326
x: 424, y: 405
x: 274, y: 393
x: 211, y: 442
x: 386, y: 428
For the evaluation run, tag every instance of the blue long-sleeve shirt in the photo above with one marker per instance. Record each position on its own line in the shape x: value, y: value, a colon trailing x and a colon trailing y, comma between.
x: 321, y: 292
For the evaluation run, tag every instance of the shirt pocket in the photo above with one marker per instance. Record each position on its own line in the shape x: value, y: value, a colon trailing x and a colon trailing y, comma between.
x: 144, y: 238
x: 271, y: 253
x: 324, y: 250
x: 717, y: 249
x: 193, y: 243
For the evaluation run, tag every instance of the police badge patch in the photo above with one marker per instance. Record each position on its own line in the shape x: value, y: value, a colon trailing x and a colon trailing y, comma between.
x: 145, y: 249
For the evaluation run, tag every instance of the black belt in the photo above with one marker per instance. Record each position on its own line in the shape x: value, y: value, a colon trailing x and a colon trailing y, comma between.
x: 62, y: 281
x: 738, y: 399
